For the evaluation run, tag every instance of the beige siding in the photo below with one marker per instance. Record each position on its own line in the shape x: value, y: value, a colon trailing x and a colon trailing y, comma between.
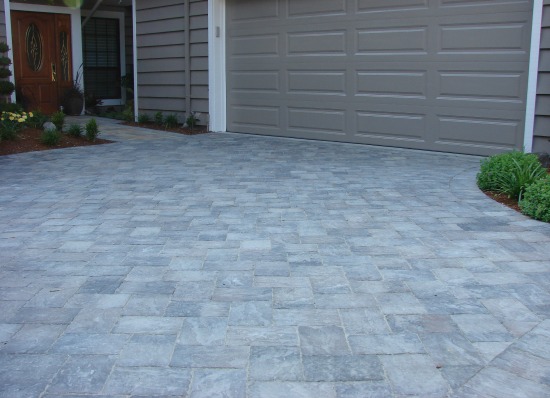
x: 162, y: 42
x: 542, y: 110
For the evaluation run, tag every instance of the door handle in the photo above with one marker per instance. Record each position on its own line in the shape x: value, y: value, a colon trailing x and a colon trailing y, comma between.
x: 54, y: 73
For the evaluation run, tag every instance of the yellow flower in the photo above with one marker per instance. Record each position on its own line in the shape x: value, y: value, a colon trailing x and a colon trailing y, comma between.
x: 30, y: 114
x: 20, y: 120
x: 11, y: 118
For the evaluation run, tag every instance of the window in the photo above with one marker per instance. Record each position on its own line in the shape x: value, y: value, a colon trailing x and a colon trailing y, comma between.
x: 101, y: 48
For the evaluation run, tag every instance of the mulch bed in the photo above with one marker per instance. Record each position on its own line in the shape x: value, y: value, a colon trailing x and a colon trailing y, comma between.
x: 179, y: 130
x: 28, y: 140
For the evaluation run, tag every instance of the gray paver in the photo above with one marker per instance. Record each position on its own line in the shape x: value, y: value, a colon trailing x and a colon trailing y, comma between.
x: 224, y: 264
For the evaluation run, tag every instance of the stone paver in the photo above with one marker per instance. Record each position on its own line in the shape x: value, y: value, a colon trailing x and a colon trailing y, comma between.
x: 243, y: 266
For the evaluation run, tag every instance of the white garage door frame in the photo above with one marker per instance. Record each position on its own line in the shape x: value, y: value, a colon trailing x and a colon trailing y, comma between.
x: 217, y: 77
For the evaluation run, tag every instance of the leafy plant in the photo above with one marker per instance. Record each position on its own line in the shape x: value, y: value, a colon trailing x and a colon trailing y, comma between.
x: 75, y: 130
x: 536, y: 200
x: 158, y: 118
x: 37, y: 119
x: 11, y: 107
x: 11, y: 123
x: 493, y: 168
x: 128, y: 114
x: 144, y: 118
x: 50, y: 137
x: 519, y: 178
x: 192, y: 120
x: 92, y: 130
x: 171, y: 121
x: 6, y: 87
x: 58, y: 118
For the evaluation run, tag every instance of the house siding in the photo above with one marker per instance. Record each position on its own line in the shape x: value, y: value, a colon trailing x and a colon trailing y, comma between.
x: 541, y: 139
x: 163, y: 65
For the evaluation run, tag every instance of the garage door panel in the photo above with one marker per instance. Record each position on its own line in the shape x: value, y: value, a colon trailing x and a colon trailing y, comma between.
x: 387, y: 83
x: 379, y: 6
x: 253, y: 116
x: 317, y: 82
x: 392, y: 40
x: 317, y: 8
x: 325, y: 121
x: 391, y: 125
x: 255, y: 46
x: 489, y: 128
x: 247, y: 11
x: 254, y: 81
x: 319, y: 42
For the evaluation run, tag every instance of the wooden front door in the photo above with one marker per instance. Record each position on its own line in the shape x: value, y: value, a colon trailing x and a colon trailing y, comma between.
x: 42, y: 58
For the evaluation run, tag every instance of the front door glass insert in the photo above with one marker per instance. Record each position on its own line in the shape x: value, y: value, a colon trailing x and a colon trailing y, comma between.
x: 33, y: 41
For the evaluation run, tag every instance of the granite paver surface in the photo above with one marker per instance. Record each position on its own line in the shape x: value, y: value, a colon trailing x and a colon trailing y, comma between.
x: 243, y: 266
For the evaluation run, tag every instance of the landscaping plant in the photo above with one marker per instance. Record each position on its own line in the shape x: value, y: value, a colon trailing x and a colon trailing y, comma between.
x: 535, y: 202
x: 158, y: 118
x: 92, y: 130
x: 75, y: 130
x: 11, y: 123
x: 144, y: 118
x: 50, y: 137
x: 521, y: 176
x: 58, y: 118
x: 493, y: 168
x: 171, y: 121
x: 192, y: 120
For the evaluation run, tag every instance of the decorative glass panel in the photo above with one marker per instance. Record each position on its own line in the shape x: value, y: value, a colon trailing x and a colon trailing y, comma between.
x: 64, y: 46
x: 33, y: 41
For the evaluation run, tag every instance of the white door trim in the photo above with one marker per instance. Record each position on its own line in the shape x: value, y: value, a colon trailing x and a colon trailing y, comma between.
x: 76, y: 33
x: 217, y: 90
x: 530, y: 104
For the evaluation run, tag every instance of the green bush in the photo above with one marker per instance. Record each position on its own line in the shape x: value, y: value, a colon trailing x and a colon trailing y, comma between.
x: 536, y: 200
x: 495, y: 167
x: 144, y: 118
x: 519, y: 178
x: 192, y: 120
x: 171, y: 121
x: 11, y: 123
x: 158, y: 118
x: 92, y: 130
x: 75, y: 130
x: 50, y: 137
x: 37, y: 119
x: 58, y: 118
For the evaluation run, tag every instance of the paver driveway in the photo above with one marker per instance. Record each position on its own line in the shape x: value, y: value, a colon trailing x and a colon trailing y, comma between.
x: 233, y: 265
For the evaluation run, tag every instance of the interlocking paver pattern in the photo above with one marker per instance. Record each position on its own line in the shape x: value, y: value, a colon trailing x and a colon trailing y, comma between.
x: 243, y: 266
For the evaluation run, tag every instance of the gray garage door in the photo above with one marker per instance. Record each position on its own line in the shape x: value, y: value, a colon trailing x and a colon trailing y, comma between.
x: 446, y: 75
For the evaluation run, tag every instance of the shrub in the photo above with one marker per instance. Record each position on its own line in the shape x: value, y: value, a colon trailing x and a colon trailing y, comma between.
x: 128, y: 114
x: 493, y: 168
x: 58, y: 118
x: 171, y: 121
x: 192, y: 120
x: 50, y: 137
x: 144, y: 118
x: 92, y: 130
x: 536, y: 200
x: 11, y: 107
x: 75, y: 130
x: 37, y: 119
x: 519, y: 178
x: 11, y: 123
x: 158, y: 118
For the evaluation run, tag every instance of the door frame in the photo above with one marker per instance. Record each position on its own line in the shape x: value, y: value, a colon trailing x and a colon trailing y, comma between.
x: 76, y: 32
x: 217, y: 80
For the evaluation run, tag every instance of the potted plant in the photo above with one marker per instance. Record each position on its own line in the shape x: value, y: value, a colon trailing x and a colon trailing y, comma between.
x: 73, y: 97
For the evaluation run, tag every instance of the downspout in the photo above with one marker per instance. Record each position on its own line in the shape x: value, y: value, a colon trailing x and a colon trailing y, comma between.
x: 91, y: 14
x: 188, y: 57
x: 9, y: 42
x: 531, y: 101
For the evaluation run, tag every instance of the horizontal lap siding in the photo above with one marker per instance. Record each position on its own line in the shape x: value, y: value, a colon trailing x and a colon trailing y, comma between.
x: 542, y: 110
x: 2, y: 23
x: 161, y: 56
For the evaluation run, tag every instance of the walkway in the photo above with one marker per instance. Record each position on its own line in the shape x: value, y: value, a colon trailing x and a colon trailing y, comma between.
x: 242, y: 266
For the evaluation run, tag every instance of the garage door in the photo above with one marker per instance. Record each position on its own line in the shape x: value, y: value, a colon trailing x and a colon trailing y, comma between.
x: 445, y: 75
